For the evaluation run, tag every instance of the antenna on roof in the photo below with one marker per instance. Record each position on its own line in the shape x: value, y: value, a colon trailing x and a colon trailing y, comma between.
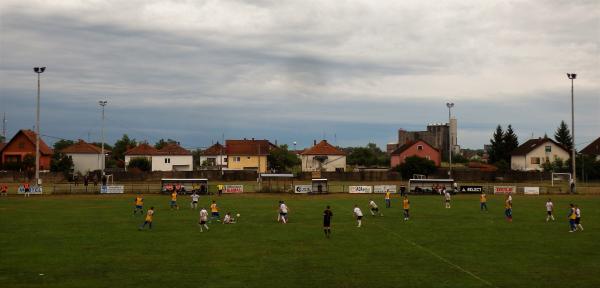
x: 4, y: 127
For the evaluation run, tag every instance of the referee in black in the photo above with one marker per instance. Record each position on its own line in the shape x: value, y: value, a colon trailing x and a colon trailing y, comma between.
x: 327, y: 214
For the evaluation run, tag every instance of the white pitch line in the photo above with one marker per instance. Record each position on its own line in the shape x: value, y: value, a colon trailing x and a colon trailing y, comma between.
x: 437, y: 256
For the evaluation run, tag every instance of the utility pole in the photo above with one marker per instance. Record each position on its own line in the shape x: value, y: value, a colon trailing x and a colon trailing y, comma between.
x: 573, y: 76
x: 38, y: 70
x: 450, y: 105
x: 103, y: 163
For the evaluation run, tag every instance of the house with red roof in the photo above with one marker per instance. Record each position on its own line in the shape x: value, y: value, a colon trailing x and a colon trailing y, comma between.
x: 172, y: 157
x: 324, y: 157
x: 420, y: 148
x: 532, y: 154
x: 214, y: 156
x: 86, y: 157
x: 593, y: 149
x: 23, y: 144
x: 248, y: 154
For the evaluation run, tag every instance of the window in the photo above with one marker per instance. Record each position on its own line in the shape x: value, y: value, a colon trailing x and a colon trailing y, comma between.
x: 248, y: 157
x: 427, y: 157
x: 236, y: 159
x: 167, y: 160
x: 548, y: 149
x: 535, y: 160
x: 419, y: 147
x: 225, y: 160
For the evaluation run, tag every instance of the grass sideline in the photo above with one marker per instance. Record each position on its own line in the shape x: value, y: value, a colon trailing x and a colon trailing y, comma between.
x: 92, y: 241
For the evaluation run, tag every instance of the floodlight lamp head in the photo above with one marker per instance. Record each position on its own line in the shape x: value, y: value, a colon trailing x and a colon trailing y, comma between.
x: 449, y: 105
x: 42, y: 69
x: 36, y: 69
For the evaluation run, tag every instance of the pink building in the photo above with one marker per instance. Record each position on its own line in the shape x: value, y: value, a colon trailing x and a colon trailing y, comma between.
x: 415, y: 148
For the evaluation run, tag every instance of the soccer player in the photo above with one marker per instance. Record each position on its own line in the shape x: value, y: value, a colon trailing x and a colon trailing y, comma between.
x: 578, y: 218
x: 139, y: 205
x: 358, y: 214
x: 214, y: 211
x: 220, y: 189
x: 406, y: 207
x: 388, y: 199
x: 483, y: 201
x: 447, y: 198
x: 374, y: 208
x: 26, y: 188
x: 203, y: 219
x: 508, y: 208
x: 228, y: 219
x: 283, y: 212
x: 549, y: 210
x: 174, y: 200
x: 327, y: 214
x: 3, y: 190
x: 195, y: 198
x: 572, y: 217
x: 149, y: 218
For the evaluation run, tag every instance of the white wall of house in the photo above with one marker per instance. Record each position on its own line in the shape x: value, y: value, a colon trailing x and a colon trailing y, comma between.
x: 332, y: 163
x: 220, y: 160
x: 172, y: 163
x: 547, y: 152
x: 84, y: 163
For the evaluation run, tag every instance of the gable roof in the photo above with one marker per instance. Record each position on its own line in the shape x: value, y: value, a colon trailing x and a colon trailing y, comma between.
x: 532, y: 144
x: 174, y: 149
x: 592, y: 149
x: 323, y: 148
x: 248, y: 147
x: 82, y: 147
x: 30, y: 136
x: 142, y: 150
x: 409, y: 144
x: 214, y: 150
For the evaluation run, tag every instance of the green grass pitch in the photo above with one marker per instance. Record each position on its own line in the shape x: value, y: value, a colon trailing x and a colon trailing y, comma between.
x: 93, y: 241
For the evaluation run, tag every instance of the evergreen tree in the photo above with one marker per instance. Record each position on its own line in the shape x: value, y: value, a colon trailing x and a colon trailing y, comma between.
x: 121, y: 146
x: 563, y: 135
x: 497, y: 151
x: 511, y: 142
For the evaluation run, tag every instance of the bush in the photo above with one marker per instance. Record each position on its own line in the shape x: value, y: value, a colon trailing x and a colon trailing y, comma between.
x: 416, y: 165
x: 140, y: 163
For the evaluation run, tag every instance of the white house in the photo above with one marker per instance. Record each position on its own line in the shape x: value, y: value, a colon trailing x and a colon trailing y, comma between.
x: 86, y: 157
x: 532, y: 154
x: 323, y: 157
x: 173, y: 157
x: 143, y: 150
x: 214, y: 157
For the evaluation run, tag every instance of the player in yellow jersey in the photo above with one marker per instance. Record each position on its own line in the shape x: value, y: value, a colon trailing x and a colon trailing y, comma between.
x: 220, y: 189
x: 388, y: 199
x: 214, y: 211
x: 508, y: 208
x: 572, y: 218
x: 139, y: 205
x: 149, y: 218
x: 174, y: 200
x: 483, y: 201
x: 406, y: 207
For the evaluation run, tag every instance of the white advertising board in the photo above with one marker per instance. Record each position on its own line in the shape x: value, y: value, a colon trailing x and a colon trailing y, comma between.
x: 112, y: 189
x: 531, y: 190
x: 301, y: 189
x: 33, y: 189
x: 384, y: 188
x: 360, y: 189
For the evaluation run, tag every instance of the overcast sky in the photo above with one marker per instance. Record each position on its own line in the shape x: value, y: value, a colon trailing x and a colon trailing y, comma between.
x: 350, y: 71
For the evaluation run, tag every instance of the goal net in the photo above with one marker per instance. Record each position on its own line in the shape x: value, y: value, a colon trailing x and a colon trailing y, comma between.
x: 561, y: 177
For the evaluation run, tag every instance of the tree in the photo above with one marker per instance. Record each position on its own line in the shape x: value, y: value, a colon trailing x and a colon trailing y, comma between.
x: 60, y: 162
x: 416, y: 165
x: 106, y: 145
x: 140, y: 163
x: 162, y: 143
x: 496, y: 151
x: 511, y: 142
x: 368, y: 156
x: 281, y: 159
x: 122, y: 145
x: 563, y: 135
x: 62, y: 144
x: 2, y: 139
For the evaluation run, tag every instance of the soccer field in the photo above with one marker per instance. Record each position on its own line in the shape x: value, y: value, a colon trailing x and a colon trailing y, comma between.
x: 93, y: 241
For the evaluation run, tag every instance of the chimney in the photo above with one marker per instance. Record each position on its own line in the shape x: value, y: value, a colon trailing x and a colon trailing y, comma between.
x: 252, y: 138
x: 245, y: 138
x: 275, y: 142
x: 314, y: 142
x: 325, y: 141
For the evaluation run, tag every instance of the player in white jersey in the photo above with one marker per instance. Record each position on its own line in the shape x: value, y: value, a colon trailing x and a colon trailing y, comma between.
x: 374, y: 208
x: 358, y: 215
x: 283, y: 213
x: 549, y: 210
x: 578, y: 218
x: 203, y: 219
x: 194, y: 203
x: 228, y: 219
x: 447, y: 198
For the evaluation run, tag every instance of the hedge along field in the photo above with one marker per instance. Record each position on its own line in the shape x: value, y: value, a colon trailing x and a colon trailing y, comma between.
x: 93, y: 241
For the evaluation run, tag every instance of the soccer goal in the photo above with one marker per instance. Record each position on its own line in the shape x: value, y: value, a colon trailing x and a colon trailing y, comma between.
x: 560, y: 177
x: 418, y: 176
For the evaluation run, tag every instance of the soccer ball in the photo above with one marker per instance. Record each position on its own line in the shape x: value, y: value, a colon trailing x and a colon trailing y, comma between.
x: 238, y: 215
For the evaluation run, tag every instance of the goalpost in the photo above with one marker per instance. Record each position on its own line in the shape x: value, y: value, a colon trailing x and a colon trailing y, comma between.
x: 418, y: 176
x: 561, y: 177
